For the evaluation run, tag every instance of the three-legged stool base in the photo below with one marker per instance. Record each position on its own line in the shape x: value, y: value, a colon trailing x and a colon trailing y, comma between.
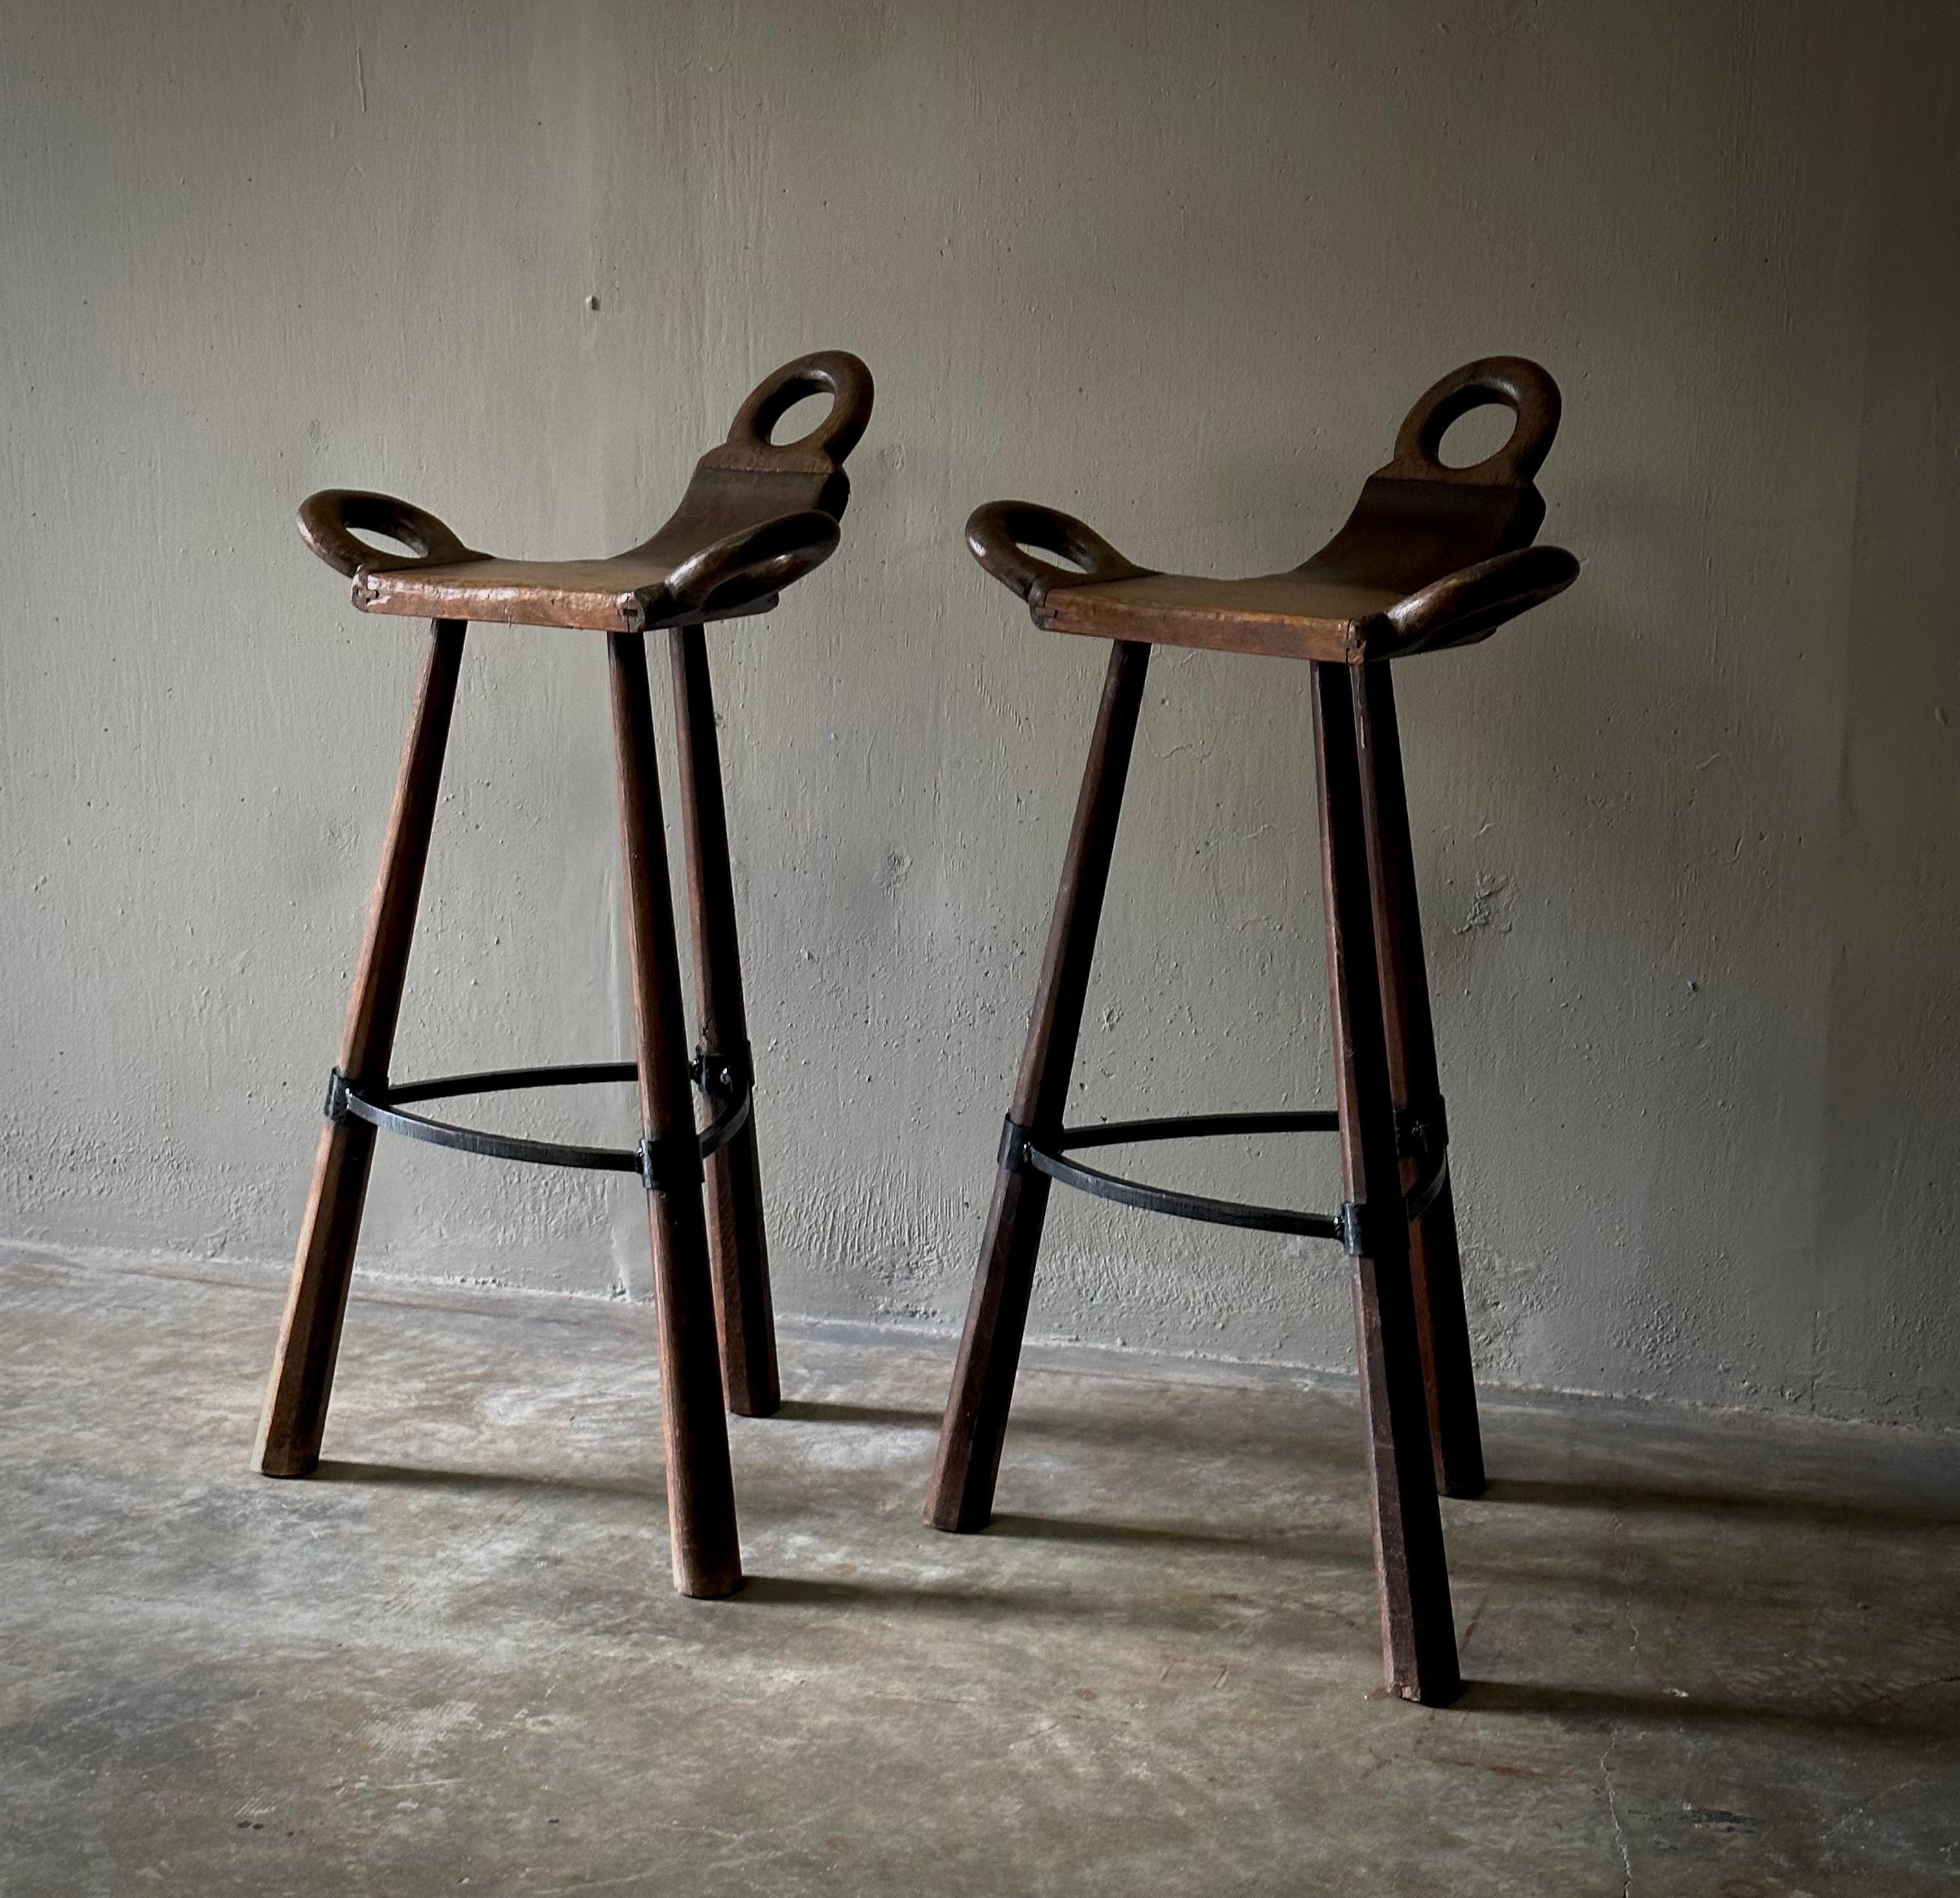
x: 1431, y: 556
x: 668, y: 1161
x: 1374, y: 1224
x: 757, y: 515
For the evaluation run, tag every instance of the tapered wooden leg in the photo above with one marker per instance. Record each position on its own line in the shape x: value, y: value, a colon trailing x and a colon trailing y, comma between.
x: 975, y: 1421
x: 1435, y: 1267
x: 736, y: 1247
x: 294, y: 1416
x: 700, y: 1487
x: 1418, y: 1636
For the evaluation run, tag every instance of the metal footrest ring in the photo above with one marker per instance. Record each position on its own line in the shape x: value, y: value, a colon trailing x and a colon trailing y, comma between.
x: 1020, y: 1150
x: 723, y: 1078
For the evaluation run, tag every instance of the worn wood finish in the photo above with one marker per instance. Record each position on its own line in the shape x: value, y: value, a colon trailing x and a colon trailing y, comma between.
x: 757, y: 515
x: 737, y: 1243
x: 975, y: 1421
x: 1431, y: 556
x: 700, y: 1489
x: 294, y: 1416
x: 1435, y: 1265
x: 1418, y: 1635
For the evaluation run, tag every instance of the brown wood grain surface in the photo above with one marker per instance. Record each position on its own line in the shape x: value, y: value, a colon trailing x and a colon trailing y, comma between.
x: 757, y: 516
x: 975, y: 1421
x: 700, y: 1489
x: 1418, y: 1634
x: 295, y: 1415
x: 744, y: 1312
x: 1432, y: 555
x: 1436, y: 1269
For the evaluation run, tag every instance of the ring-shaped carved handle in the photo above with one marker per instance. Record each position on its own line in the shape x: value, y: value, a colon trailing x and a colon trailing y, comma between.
x: 833, y: 372
x: 1519, y: 384
x: 760, y: 559
x: 330, y: 520
x: 998, y: 534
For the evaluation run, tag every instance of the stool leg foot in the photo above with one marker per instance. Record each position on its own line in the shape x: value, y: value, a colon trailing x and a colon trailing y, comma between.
x: 1418, y: 1634
x: 1435, y: 1265
x: 737, y: 1248
x: 294, y: 1416
x: 700, y: 1487
x: 975, y: 1423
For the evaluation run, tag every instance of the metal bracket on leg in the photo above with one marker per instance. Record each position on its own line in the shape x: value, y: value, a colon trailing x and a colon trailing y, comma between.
x: 723, y: 1074
x: 1422, y: 1134
x: 1360, y: 1227
x: 671, y: 1162
x: 337, y: 1108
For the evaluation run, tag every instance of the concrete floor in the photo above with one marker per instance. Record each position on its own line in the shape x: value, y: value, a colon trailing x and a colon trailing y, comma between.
x: 1709, y: 1655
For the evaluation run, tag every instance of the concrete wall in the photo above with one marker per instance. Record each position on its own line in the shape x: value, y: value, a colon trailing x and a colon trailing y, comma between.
x: 1686, y: 837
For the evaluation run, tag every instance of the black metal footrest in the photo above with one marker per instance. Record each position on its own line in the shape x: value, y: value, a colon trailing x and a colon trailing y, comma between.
x: 661, y: 1164
x: 1020, y: 1150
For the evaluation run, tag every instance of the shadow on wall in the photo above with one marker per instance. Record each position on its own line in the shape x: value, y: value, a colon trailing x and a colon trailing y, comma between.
x: 1889, y: 1221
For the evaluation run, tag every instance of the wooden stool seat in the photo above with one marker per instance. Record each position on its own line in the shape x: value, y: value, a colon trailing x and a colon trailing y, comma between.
x: 1431, y: 556
x: 756, y: 516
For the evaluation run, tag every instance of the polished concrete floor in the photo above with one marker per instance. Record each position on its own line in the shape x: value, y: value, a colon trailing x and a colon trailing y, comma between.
x: 1708, y: 1655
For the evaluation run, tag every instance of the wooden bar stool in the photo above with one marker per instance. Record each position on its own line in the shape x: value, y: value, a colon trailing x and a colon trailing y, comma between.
x: 1431, y: 557
x: 756, y: 516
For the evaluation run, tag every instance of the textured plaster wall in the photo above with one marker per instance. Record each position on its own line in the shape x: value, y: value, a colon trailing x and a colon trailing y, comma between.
x: 1686, y: 838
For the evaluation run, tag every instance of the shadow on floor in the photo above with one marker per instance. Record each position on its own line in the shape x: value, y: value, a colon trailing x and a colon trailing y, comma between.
x: 1301, y: 1443
x: 1882, y: 1712
x: 1150, y: 1535
x: 1639, y: 1498
x: 384, y: 1474
x: 818, y: 1410
x: 1169, y: 1612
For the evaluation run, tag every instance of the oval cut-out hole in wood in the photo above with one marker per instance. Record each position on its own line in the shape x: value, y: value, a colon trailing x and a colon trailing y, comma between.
x: 375, y: 541
x: 1476, y: 435
x: 802, y: 420
x: 1052, y: 558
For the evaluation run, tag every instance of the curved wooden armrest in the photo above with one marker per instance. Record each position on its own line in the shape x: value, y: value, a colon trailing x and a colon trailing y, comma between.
x: 1474, y: 601
x: 998, y: 533
x: 330, y: 520
x: 750, y: 562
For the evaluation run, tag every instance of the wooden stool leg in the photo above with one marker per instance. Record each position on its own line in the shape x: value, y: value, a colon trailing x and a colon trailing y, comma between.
x: 737, y: 1246
x: 700, y: 1487
x: 1434, y: 1265
x: 1418, y: 1637
x: 983, y: 1381
x: 294, y: 1416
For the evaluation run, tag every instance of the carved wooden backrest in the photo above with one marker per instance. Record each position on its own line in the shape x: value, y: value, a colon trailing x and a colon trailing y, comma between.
x: 749, y: 479
x: 1419, y: 519
x: 756, y: 515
